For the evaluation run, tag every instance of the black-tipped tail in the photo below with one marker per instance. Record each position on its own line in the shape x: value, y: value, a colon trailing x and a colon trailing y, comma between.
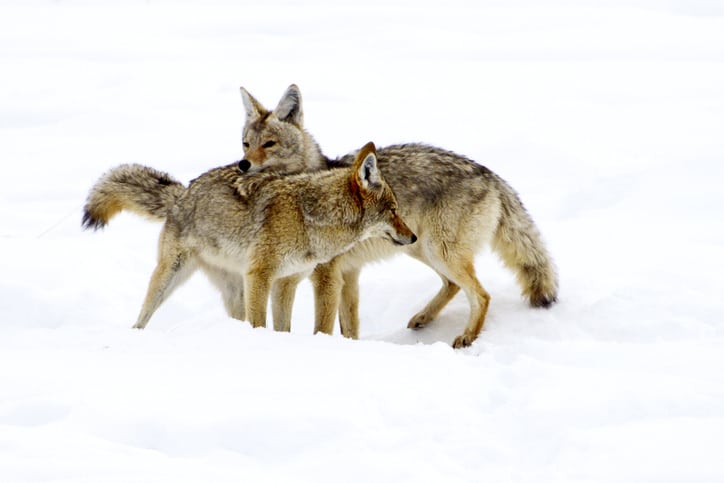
x: 90, y: 222
x: 520, y: 246
x: 132, y: 187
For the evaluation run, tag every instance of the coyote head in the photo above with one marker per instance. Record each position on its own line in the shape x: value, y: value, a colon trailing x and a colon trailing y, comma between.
x: 276, y: 140
x: 378, y: 202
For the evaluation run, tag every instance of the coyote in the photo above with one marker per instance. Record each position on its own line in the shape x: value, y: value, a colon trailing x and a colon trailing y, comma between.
x: 455, y: 206
x: 251, y: 234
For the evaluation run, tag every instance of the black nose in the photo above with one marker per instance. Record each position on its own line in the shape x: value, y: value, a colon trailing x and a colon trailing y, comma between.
x: 414, y: 238
x: 244, y: 165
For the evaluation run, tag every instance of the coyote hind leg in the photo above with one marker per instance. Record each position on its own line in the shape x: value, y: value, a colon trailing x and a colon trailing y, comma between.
x: 231, y: 285
x: 448, y: 290
x: 457, y: 271
x: 174, y: 267
x: 478, y: 298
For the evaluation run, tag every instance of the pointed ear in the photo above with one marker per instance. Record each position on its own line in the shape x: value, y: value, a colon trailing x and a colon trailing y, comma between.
x: 366, y: 172
x: 253, y: 108
x: 289, y: 108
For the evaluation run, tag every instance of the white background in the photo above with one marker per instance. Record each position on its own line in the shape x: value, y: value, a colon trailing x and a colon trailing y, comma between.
x: 606, y: 117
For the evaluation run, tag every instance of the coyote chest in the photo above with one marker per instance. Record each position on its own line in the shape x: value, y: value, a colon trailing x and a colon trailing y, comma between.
x: 232, y: 257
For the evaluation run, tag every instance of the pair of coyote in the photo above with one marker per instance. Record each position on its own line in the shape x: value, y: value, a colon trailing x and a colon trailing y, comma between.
x: 286, y: 212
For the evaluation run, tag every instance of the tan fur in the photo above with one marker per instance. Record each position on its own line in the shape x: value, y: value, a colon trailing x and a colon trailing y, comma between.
x: 251, y: 234
x: 453, y: 204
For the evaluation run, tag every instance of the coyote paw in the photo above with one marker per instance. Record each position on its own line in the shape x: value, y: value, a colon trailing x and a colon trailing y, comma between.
x: 544, y: 301
x: 419, y: 321
x: 463, y: 340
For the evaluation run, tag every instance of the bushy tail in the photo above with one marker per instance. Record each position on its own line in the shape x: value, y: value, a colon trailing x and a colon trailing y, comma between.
x: 139, y: 189
x: 518, y: 242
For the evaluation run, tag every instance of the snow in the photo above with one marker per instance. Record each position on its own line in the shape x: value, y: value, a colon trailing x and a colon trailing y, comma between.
x: 607, y: 117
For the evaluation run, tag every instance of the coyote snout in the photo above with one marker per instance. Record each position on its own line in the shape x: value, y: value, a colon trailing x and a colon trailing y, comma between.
x: 244, y: 165
x: 401, y: 234
x: 404, y: 240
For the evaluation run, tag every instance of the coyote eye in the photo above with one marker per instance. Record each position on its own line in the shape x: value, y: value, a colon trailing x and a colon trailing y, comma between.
x: 268, y: 144
x: 246, y: 145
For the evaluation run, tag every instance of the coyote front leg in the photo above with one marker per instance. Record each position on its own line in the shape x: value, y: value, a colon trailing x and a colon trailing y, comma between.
x: 327, y: 283
x: 283, y: 291
x: 257, y: 285
x: 349, y: 304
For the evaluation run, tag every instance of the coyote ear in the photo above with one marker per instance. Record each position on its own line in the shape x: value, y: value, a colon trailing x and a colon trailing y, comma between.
x: 253, y: 108
x: 289, y: 108
x: 365, y: 168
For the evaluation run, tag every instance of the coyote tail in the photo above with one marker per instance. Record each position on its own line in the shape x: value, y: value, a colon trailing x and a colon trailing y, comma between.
x: 139, y: 189
x: 519, y: 243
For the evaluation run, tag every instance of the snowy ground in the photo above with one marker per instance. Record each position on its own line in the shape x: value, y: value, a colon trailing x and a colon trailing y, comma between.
x: 607, y: 117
